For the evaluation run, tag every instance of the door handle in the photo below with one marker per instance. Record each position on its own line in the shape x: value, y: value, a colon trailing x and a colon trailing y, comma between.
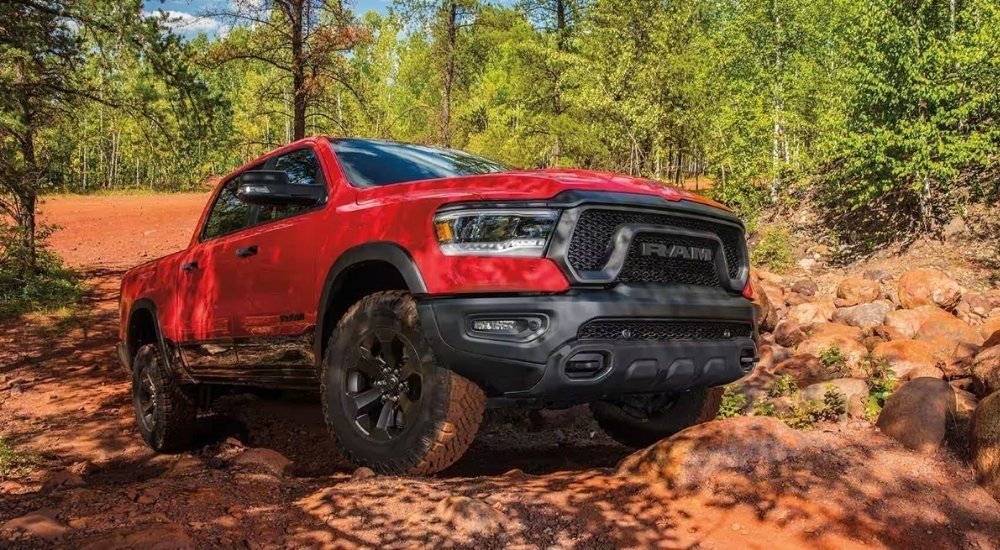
x: 247, y: 252
x: 189, y: 266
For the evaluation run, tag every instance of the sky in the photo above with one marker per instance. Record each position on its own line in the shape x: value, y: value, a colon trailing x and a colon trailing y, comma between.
x: 187, y: 20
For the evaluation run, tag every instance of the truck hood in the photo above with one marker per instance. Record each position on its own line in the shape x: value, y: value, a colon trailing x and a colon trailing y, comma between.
x: 530, y: 185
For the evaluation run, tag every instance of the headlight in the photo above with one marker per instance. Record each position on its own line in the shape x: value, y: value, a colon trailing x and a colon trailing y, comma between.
x: 522, y: 233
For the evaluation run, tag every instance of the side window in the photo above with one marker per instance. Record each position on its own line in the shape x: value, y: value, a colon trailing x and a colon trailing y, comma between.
x: 228, y: 214
x: 302, y: 168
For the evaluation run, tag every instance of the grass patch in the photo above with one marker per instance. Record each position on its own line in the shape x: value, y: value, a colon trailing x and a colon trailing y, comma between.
x: 49, y: 287
x: 12, y: 462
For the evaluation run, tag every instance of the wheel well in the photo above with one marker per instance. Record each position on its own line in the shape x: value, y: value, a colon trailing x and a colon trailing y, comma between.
x: 352, y: 285
x: 141, y: 331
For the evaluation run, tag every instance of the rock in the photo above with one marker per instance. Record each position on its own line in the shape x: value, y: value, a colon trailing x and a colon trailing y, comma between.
x: 853, y: 390
x: 985, y: 443
x: 41, y: 524
x: 909, y: 321
x: 696, y: 456
x: 775, y: 294
x: 951, y: 334
x: 990, y: 329
x: 985, y: 371
x: 917, y: 414
x: 965, y: 384
x: 60, y: 479
x: 810, y: 313
x: 954, y: 229
x: 794, y: 299
x: 965, y: 404
x: 805, y: 287
x: 877, y: 275
x: 906, y: 356
x: 770, y: 355
x: 889, y: 334
x: 766, y: 312
x: 789, y: 333
x: 151, y: 536
x: 854, y: 352
x: 362, y: 473
x: 855, y: 290
x: 922, y: 287
x: 806, y: 263
x: 925, y: 372
x: 863, y: 316
x: 805, y: 369
x: 836, y: 329
x: 470, y: 516
x: 266, y: 459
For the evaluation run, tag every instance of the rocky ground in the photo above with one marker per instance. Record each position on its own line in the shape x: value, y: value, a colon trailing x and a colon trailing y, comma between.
x: 262, y: 475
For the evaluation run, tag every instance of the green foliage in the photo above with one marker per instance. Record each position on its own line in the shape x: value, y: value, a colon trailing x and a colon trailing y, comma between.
x: 834, y: 360
x: 763, y: 407
x: 784, y: 385
x: 880, y: 378
x: 49, y: 286
x: 773, y: 249
x: 12, y: 462
x: 733, y: 403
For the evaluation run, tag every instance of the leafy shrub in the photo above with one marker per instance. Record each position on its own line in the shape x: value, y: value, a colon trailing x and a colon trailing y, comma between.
x: 834, y: 360
x: 773, y: 249
x: 50, y: 285
x: 763, y: 407
x: 782, y: 386
x: 733, y: 403
x: 880, y: 378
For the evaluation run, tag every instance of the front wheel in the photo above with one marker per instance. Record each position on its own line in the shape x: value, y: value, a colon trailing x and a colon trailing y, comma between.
x: 387, y: 401
x: 641, y: 420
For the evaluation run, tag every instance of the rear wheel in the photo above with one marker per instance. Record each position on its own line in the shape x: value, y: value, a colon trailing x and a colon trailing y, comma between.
x: 387, y: 401
x: 641, y: 420
x: 164, y: 412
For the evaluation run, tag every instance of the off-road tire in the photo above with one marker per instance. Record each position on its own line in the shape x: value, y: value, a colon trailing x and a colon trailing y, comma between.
x: 688, y: 409
x: 174, y: 412
x: 449, y: 412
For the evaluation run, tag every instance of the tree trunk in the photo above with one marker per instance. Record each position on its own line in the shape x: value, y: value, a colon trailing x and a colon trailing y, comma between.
x: 298, y: 73
x: 561, y: 25
x: 449, y: 71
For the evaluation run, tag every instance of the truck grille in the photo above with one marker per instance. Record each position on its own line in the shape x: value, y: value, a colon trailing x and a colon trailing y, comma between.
x: 618, y: 329
x: 654, y: 269
x: 590, y: 246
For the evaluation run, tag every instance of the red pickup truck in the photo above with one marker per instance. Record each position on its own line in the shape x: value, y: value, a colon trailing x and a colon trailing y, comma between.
x: 414, y: 286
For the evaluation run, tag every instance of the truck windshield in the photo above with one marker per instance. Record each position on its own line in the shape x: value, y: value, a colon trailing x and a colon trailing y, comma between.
x: 369, y: 163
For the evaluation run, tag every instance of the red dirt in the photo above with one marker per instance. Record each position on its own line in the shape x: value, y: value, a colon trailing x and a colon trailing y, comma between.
x: 65, y: 401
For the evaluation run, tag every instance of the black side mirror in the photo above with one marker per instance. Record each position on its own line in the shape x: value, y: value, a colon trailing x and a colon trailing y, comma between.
x: 271, y: 188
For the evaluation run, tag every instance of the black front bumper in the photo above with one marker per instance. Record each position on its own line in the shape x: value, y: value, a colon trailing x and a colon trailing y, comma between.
x: 542, y: 362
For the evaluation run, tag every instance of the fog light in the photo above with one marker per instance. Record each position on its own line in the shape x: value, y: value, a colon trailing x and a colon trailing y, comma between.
x: 495, y: 325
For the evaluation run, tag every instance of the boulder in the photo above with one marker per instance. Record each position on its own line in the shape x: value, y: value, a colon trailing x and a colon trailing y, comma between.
x: 922, y: 287
x: 40, y: 525
x: 925, y: 372
x: 917, y: 414
x: 265, y: 459
x: 766, y: 312
x: 990, y: 328
x: 696, y: 456
x: 775, y: 294
x: 985, y: 443
x: 855, y: 290
x: 906, y: 356
x: 836, y: 329
x: 853, y: 390
x: 470, y: 516
x: 889, y: 334
x: 789, y: 333
x: 805, y: 369
x: 950, y: 334
x: 863, y: 316
x: 854, y: 351
x: 811, y: 313
x: 770, y: 355
x: 908, y: 322
x: 965, y: 404
x: 805, y: 287
x: 985, y: 371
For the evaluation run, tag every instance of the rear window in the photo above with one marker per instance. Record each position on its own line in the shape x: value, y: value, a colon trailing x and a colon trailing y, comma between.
x: 368, y: 163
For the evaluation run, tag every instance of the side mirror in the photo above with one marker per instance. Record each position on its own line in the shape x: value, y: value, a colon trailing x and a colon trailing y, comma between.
x: 271, y: 188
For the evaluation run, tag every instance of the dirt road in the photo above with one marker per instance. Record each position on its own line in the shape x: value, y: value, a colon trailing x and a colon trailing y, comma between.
x: 263, y: 475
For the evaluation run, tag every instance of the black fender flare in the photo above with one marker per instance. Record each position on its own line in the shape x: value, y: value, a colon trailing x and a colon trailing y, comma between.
x: 382, y: 251
x: 143, y: 304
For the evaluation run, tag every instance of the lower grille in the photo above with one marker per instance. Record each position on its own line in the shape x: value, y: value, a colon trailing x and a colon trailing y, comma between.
x: 664, y: 271
x: 619, y: 329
